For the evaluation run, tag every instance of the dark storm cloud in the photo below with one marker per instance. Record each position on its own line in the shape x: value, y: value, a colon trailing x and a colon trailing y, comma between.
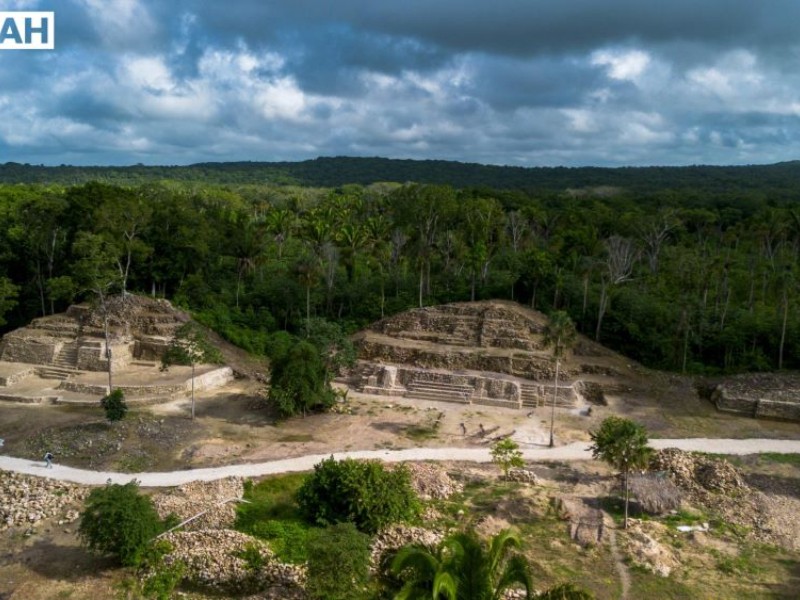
x: 517, y: 82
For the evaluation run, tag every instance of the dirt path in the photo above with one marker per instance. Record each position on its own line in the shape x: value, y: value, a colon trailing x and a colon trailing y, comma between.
x: 574, y: 451
x: 619, y: 564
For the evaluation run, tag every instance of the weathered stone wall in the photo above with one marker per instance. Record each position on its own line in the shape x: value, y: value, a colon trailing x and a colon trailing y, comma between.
x: 778, y: 409
x: 150, y: 348
x: 91, y: 355
x: 36, y: 351
x: 520, y: 365
x: 12, y: 378
x: 760, y: 395
x: 212, y: 379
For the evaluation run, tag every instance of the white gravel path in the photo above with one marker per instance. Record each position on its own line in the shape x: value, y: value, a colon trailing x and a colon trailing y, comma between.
x: 574, y: 451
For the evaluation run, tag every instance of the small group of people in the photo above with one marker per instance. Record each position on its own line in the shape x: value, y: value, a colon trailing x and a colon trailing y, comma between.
x: 481, y: 430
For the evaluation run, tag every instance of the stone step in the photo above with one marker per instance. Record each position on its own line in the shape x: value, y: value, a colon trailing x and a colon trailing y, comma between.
x: 440, y: 385
x: 55, y: 373
x: 438, y: 396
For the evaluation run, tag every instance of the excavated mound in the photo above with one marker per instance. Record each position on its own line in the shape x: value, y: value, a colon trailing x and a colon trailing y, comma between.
x: 214, y: 501
x: 766, y: 395
x: 59, y: 358
x: 694, y: 471
x: 490, y: 352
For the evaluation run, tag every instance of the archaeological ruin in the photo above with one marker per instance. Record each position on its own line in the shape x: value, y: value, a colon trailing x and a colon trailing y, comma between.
x: 488, y: 353
x: 63, y: 358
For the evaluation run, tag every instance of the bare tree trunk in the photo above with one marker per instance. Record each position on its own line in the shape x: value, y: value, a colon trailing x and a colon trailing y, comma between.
x: 421, y: 280
x: 553, y: 407
x: 308, y: 309
x: 601, y: 311
x: 783, y: 328
x: 192, y: 390
x: 627, y: 497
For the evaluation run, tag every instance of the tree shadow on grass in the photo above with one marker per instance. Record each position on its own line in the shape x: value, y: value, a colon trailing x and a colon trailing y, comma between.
x: 68, y: 562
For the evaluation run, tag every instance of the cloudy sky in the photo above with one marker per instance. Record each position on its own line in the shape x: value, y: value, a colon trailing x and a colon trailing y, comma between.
x: 521, y: 82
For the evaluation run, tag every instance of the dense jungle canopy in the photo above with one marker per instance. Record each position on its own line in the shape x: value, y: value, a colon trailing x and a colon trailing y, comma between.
x: 689, y: 269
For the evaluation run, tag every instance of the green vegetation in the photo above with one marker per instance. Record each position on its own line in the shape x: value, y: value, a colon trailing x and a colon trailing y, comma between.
x: 782, y: 459
x: 506, y: 454
x: 338, y: 563
x: 271, y: 513
x: 678, y: 279
x: 623, y: 445
x: 364, y: 493
x: 118, y: 521
x: 190, y: 347
x: 300, y: 382
x: 114, y: 406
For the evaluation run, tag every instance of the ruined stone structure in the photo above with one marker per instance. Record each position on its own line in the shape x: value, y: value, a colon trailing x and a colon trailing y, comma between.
x: 489, y: 353
x: 69, y: 350
x: 762, y: 395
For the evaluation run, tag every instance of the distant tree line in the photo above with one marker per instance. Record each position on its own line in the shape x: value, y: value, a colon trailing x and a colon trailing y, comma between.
x: 680, y: 281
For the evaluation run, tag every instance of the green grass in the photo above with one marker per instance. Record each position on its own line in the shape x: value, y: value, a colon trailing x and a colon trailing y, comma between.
x: 783, y: 459
x: 272, y: 514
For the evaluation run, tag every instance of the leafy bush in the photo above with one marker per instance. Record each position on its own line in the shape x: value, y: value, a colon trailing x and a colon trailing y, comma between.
x: 362, y: 492
x: 119, y: 521
x: 161, y: 578
x: 114, y: 405
x: 338, y: 563
x: 299, y: 382
x: 288, y: 539
x: 506, y: 454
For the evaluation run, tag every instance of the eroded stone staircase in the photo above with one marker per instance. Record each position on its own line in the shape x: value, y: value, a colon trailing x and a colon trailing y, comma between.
x: 438, y: 391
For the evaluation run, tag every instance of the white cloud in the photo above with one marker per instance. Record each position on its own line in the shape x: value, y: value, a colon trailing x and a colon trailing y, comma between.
x: 623, y: 65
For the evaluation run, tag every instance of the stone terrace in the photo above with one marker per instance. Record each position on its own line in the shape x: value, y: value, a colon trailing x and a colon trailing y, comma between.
x: 489, y: 353
x: 62, y: 358
x: 760, y: 395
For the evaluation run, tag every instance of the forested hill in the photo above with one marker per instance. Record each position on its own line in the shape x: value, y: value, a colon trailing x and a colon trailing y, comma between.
x: 778, y: 180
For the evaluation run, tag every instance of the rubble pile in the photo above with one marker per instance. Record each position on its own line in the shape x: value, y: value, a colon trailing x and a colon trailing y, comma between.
x: 645, y: 551
x: 215, y: 559
x: 395, y: 537
x: 523, y: 476
x: 195, y: 497
x: 432, y: 482
x: 697, y: 472
x: 26, y: 500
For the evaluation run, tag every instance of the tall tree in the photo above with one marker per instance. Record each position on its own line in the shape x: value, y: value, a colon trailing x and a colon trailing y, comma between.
x: 623, y: 445
x: 96, y: 272
x: 620, y: 259
x: 190, y: 347
x: 560, y: 335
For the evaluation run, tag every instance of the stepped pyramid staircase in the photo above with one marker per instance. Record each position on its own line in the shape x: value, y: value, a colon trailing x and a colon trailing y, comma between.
x: 438, y: 391
x: 64, y: 364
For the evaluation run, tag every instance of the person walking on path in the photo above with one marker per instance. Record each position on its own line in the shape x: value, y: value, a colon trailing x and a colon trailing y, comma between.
x: 463, y: 429
x: 48, y: 460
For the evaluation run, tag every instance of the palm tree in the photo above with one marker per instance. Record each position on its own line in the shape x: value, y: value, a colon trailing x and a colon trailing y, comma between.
x: 560, y: 334
x: 462, y: 568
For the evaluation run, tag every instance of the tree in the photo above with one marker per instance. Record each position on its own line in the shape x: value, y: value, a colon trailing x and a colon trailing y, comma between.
x: 338, y: 563
x: 119, y: 521
x: 114, y: 406
x: 299, y: 381
x: 623, y: 445
x: 8, y: 295
x: 96, y: 272
x: 190, y: 347
x: 506, y: 454
x: 463, y: 567
x: 362, y: 492
x: 620, y: 259
x: 560, y: 334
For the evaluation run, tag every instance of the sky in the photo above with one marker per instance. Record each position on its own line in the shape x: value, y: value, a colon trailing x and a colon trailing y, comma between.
x: 514, y: 82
